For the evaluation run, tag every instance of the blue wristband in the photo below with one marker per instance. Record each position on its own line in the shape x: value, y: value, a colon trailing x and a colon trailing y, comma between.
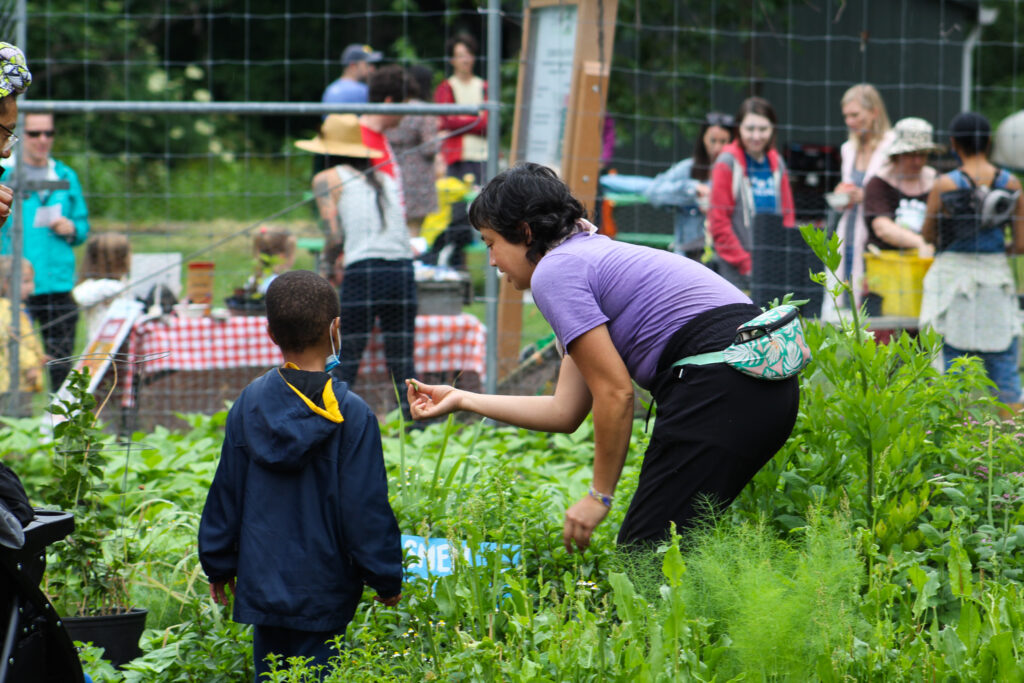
x: 605, y: 499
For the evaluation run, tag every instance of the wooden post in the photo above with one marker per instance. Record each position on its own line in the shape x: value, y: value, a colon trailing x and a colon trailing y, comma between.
x: 559, y: 115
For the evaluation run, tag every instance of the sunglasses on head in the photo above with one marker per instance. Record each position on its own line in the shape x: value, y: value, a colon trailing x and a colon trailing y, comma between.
x: 721, y: 120
x: 37, y: 133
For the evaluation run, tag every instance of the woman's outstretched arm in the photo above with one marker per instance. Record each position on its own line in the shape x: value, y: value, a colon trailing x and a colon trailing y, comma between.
x: 593, y: 375
x: 562, y: 412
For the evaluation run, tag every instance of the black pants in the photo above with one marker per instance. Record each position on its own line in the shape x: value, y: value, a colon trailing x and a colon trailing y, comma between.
x: 384, y: 291
x: 57, y: 315
x: 715, y: 428
x: 289, y: 642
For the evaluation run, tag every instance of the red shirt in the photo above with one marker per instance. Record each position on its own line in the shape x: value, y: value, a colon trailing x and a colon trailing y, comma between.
x: 377, y: 141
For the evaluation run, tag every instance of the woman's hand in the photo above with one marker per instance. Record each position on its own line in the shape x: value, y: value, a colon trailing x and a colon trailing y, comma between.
x: 63, y: 227
x: 580, y: 521
x: 855, y: 193
x: 6, y: 199
x: 427, y: 401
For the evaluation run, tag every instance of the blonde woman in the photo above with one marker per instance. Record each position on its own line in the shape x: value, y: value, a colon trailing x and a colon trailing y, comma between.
x: 863, y: 154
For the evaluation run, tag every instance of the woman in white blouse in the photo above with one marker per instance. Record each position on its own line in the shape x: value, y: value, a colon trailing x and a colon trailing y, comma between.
x: 863, y: 154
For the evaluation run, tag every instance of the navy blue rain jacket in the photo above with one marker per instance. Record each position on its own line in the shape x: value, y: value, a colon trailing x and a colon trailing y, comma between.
x: 298, y: 510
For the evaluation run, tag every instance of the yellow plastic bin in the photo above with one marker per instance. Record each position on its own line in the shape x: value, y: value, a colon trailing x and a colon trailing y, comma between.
x: 897, y: 278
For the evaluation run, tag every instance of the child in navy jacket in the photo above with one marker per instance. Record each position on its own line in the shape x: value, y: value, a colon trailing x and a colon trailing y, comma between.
x: 298, y: 511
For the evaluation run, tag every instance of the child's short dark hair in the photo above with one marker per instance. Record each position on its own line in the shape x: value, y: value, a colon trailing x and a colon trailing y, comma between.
x: 388, y: 81
x: 970, y: 132
x: 300, y: 308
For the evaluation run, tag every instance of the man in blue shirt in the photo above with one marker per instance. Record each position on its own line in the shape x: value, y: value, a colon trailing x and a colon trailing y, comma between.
x: 358, y: 61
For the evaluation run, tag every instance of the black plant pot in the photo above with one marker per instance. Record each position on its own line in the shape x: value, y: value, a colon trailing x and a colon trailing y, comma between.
x: 117, y: 634
x: 244, y: 306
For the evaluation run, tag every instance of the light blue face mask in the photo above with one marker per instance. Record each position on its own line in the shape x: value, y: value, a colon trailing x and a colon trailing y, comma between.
x: 332, y: 360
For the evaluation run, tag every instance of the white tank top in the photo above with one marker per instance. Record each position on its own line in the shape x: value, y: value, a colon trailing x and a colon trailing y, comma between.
x: 367, y: 236
x: 474, y: 147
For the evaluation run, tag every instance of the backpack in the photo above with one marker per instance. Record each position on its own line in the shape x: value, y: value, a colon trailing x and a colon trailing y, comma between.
x: 972, y: 210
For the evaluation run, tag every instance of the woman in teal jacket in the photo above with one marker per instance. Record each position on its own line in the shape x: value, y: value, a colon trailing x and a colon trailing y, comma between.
x: 53, y: 222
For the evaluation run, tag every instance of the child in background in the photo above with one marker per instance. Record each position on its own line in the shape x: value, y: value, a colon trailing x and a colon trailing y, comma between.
x: 104, y: 277
x: 274, y: 252
x: 449, y: 191
x: 444, y: 244
x: 298, y: 510
x: 30, y: 351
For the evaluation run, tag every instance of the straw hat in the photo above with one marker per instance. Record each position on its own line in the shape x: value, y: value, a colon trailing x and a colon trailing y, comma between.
x: 341, y: 136
x: 913, y: 135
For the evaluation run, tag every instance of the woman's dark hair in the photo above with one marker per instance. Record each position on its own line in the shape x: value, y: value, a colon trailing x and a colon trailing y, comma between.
x: 701, y: 169
x: 421, y: 81
x: 363, y: 166
x: 527, y: 195
x: 761, y: 107
x: 970, y: 133
x: 466, y: 39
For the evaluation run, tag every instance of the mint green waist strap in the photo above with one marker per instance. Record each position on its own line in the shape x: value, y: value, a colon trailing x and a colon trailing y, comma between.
x: 702, y: 359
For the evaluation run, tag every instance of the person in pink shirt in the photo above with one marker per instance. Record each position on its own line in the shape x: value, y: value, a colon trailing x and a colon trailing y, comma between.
x: 749, y: 178
x: 464, y: 147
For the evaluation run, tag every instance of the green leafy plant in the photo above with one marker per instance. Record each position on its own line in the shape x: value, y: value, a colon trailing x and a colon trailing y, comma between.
x: 795, y: 582
x: 89, y: 572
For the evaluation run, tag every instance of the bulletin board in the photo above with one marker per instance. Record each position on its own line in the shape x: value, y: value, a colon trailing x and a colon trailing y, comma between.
x: 561, y: 94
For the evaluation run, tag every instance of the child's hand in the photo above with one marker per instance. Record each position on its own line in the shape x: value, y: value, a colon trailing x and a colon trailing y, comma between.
x: 217, y: 592
x: 390, y: 602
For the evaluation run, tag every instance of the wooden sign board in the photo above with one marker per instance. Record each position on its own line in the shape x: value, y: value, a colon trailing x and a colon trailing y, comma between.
x: 559, y: 116
x: 99, y: 353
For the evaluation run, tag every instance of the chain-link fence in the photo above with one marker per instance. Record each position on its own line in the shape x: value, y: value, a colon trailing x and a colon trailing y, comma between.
x: 180, y: 124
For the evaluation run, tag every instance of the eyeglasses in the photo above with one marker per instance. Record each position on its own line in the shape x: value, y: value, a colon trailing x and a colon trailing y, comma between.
x: 10, y: 141
x: 37, y: 133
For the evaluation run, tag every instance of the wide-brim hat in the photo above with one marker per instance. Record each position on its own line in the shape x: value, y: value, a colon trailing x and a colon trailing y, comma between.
x: 340, y: 135
x: 912, y: 136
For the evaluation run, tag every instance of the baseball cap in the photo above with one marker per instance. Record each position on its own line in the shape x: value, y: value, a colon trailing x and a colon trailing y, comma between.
x: 359, y: 53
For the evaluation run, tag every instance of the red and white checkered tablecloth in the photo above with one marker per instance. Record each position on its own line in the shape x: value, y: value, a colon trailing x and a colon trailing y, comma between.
x: 444, y: 343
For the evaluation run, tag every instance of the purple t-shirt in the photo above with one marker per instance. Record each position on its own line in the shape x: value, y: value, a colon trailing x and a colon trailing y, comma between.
x: 644, y: 295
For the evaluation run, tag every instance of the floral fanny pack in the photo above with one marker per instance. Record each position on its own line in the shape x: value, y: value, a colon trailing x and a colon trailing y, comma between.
x: 771, y: 346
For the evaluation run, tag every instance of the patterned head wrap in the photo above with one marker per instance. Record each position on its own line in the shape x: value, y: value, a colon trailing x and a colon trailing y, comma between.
x: 14, y: 74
